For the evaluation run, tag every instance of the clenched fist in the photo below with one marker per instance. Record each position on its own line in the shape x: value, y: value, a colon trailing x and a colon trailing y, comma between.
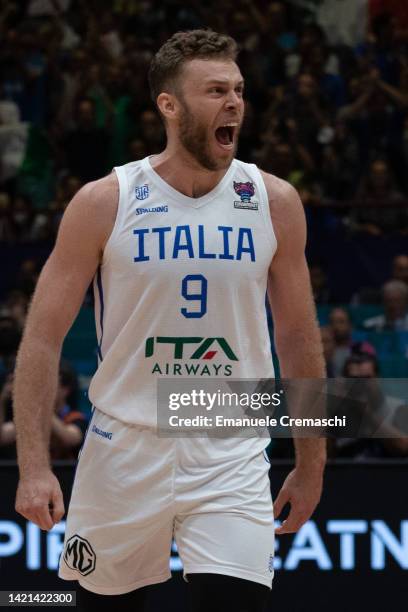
x: 39, y: 499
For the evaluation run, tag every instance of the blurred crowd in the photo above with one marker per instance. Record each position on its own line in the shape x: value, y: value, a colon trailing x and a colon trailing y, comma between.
x: 327, y: 110
x: 326, y: 90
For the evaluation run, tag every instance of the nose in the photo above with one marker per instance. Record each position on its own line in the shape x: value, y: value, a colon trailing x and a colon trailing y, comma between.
x: 233, y: 101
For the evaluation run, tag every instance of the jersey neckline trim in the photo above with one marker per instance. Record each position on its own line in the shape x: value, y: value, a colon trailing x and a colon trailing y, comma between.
x: 179, y: 197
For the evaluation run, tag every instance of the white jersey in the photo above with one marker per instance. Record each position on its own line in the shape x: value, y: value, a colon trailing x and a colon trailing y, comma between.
x: 181, y: 288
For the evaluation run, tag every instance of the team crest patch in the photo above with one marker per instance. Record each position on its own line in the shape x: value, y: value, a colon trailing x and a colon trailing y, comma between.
x: 142, y: 192
x: 79, y: 555
x: 246, y: 192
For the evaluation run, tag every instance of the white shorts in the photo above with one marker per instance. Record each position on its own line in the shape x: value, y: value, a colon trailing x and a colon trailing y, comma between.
x: 133, y: 492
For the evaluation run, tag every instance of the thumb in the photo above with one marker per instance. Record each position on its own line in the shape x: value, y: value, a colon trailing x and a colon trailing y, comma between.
x: 280, y: 502
x: 57, y: 509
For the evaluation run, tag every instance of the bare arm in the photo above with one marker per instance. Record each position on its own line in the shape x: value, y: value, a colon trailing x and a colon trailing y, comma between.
x: 297, y: 340
x: 351, y: 110
x: 399, y: 97
x: 60, y: 291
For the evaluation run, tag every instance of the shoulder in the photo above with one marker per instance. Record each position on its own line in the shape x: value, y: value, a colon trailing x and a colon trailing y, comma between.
x: 280, y: 192
x: 285, y: 205
x: 101, y: 193
x: 95, y: 207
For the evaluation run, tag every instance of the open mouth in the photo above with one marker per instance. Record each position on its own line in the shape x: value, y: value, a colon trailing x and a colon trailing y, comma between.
x: 225, y: 135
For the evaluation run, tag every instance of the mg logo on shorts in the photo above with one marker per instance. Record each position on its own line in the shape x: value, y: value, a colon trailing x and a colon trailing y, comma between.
x: 79, y: 555
x: 200, y: 352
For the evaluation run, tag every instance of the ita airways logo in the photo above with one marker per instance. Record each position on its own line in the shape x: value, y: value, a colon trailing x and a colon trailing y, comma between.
x: 203, y: 351
x: 142, y: 192
x: 79, y: 555
x: 246, y: 192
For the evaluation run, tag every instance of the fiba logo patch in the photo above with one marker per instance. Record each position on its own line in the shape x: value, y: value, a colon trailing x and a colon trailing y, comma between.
x: 246, y: 192
x: 270, y: 564
x: 79, y: 555
x: 142, y: 192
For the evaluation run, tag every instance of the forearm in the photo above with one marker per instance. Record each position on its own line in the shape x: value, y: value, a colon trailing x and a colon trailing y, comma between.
x: 395, y: 94
x: 311, y: 454
x: 301, y: 357
x: 35, y: 388
x: 349, y: 111
x: 300, y: 352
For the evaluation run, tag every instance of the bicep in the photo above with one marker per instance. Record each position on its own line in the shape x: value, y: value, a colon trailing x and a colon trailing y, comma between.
x: 290, y: 296
x: 58, y: 296
x: 289, y: 288
x: 67, y: 273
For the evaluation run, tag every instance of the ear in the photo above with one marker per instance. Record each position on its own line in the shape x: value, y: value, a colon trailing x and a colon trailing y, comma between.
x: 167, y: 105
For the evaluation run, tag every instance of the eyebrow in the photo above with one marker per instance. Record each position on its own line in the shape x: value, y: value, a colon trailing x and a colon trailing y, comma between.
x: 211, y: 81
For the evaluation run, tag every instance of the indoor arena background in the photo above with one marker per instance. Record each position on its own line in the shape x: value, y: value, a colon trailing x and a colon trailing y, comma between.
x: 327, y: 110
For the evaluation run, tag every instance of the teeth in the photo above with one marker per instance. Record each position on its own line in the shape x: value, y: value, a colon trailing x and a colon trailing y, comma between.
x: 230, y: 125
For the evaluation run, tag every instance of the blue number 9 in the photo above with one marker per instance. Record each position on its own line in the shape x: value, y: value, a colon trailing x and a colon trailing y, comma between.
x: 196, y: 297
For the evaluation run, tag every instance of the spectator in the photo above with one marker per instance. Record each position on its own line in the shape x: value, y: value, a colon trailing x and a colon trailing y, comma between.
x: 86, y: 145
x: 17, y: 305
x: 7, y: 429
x: 378, y: 414
x: 343, y: 22
x: 136, y: 149
x: 309, y: 110
x: 6, y: 224
x: 68, y: 424
x: 380, y: 203
x: 22, y: 217
x: 151, y: 130
x: 318, y: 279
x: 340, y: 324
x: 13, y: 140
x: 27, y: 277
x: 395, y: 304
x: 400, y: 268
x: 10, y: 336
x: 340, y: 163
x: 345, y: 346
x: 372, y: 295
x: 331, y: 85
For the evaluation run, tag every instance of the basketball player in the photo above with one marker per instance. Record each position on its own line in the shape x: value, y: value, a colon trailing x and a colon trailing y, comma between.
x: 182, y: 247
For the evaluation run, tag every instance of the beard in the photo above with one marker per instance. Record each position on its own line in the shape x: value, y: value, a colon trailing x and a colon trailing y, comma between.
x: 195, y: 138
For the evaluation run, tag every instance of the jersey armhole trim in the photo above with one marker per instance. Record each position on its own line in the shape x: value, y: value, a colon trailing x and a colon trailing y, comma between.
x: 266, y: 213
x: 123, y: 192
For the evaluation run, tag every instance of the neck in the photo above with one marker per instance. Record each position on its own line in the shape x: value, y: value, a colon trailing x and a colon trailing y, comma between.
x: 182, y: 172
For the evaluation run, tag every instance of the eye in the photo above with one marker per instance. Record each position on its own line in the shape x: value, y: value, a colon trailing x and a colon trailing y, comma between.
x: 216, y: 90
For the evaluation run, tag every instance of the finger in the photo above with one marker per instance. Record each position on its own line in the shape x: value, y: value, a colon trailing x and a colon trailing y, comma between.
x: 44, y: 519
x: 280, y: 502
x: 37, y: 517
x: 41, y: 515
x: 36, y: 511
x: 292, y: 524
x: 57, y: 508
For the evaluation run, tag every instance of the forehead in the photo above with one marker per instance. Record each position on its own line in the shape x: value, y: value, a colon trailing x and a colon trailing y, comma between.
x: 204, y: 71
